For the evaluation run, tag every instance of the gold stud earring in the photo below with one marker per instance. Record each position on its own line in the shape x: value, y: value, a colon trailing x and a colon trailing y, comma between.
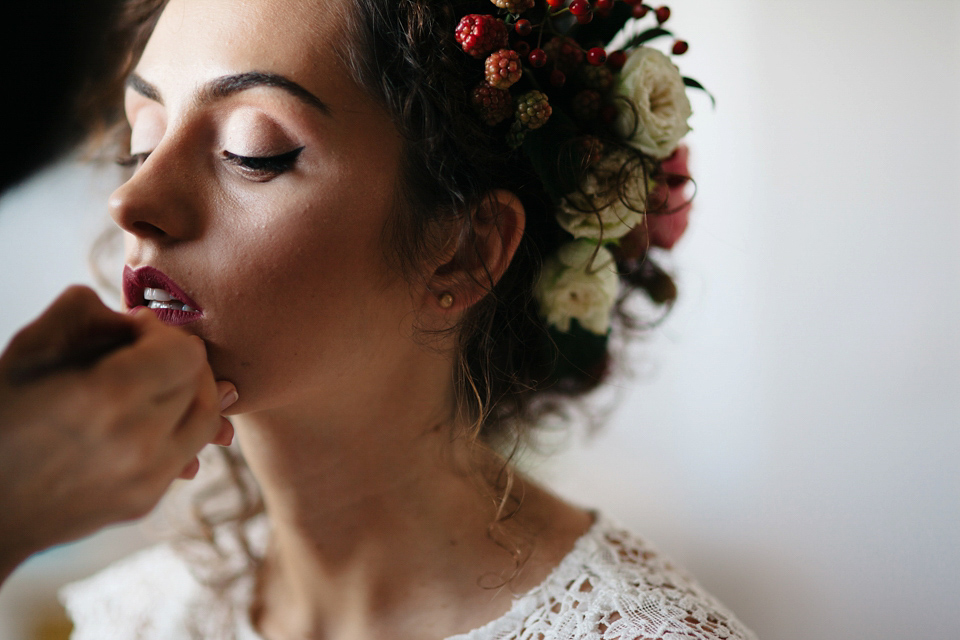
x: 446, y: 301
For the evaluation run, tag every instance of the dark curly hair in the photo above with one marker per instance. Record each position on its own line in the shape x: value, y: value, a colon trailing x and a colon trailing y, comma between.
x: 512, y: 369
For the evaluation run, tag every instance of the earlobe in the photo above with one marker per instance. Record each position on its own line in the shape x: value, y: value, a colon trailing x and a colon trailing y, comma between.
x: 481, y: 259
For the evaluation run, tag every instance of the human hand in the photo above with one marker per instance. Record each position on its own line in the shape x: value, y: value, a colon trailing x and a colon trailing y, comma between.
x: 87, y: 442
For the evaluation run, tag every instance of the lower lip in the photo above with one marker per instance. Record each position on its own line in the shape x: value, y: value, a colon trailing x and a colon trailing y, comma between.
x: 175, y: 318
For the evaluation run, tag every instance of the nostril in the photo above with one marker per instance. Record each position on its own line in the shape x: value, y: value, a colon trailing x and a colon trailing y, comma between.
x: 147, y: 230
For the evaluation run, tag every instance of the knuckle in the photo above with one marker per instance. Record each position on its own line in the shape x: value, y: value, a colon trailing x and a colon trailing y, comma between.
x: 134, y: 461
x: 78, y: 293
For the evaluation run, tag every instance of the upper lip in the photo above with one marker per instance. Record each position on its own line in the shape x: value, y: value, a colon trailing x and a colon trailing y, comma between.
x: 136, y: 280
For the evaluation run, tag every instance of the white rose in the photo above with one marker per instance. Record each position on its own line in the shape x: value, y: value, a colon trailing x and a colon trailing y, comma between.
x: 597, y: 209
x: 654, y: 85
x: 576, y: 285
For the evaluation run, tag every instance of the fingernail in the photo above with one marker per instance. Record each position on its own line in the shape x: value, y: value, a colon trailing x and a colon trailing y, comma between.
x: 229, y: 398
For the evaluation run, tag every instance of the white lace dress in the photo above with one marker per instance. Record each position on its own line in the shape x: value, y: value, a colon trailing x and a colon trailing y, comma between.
x: 611, y: 586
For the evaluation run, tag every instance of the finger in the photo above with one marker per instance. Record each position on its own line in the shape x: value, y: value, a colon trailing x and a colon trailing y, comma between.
x: 201, y: 422
x: 224, y: 437
x: 190, y: 471
x: 162, y: 361
x: 227, y: 393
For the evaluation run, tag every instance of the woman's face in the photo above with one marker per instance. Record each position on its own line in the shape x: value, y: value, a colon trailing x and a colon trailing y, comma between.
x: 269, y: 180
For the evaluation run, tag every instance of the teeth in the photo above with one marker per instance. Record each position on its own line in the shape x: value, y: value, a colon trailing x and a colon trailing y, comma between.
x: 163, y: 304
x: 176, y: 305
x: 161, y: 299
x: 157, y: 294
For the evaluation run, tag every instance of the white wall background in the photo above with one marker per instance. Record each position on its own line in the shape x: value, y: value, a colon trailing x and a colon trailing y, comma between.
x: 793, y: 435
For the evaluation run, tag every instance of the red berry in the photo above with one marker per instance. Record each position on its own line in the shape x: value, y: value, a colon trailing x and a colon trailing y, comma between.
x: 523, y: 27
x: 558, y: 78
x: 640, y: 11
x: 481, y: 34
x: 586, y: 18
x: 502, y: 69
x: 632, y: 3
x: 579, y: 7
x: 680, y: 47
x: 557, y: 4
x: 596, y: 56
x: 603, y: 5
x: 522, y: 48
x: 616, y: 60
x: 537, y: 58
x: 663, y: 14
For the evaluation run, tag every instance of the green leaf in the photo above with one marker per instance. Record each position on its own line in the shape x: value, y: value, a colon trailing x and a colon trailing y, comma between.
x: 602, y: 30
x: 647, y: 36
x: 553, y: 155
x: 690, y: 82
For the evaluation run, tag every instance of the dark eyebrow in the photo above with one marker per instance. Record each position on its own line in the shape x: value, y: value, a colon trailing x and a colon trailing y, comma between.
x: 228, y: 85
x: 144, y: 88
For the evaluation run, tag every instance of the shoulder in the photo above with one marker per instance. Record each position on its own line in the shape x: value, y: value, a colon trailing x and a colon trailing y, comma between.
x: 616, y: 585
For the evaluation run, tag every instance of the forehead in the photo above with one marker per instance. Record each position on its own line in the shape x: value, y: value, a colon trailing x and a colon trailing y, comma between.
x: 195, y: 40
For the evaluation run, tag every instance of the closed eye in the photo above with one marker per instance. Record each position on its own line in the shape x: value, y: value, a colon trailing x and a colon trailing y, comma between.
x: 263, y: 167
x: 133, y: 160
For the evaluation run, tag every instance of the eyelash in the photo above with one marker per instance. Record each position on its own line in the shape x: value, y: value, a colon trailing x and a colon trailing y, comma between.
x: 263, y: 167
x: 132, y: 160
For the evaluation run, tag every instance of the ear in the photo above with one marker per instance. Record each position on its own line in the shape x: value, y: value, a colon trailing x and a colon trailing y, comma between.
x: 481, y: 257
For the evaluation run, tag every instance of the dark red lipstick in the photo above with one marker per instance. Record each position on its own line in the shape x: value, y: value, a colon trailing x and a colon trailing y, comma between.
x: 137, y: 281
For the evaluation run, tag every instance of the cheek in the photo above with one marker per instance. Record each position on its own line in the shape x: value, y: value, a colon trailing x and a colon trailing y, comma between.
x: 320, y: 249
x: 312, y: 294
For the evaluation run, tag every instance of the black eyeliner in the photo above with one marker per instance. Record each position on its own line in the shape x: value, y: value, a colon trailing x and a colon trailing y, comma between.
x: 267, y: 164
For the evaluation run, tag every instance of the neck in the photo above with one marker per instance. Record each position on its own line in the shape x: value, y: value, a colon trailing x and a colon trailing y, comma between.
x: 385, y: 525
x: 363, y: 512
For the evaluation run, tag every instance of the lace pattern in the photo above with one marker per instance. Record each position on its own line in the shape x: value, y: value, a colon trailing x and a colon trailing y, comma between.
x: 611, y: 586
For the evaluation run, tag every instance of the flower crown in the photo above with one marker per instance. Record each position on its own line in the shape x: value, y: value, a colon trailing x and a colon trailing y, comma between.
x: 554, y: 91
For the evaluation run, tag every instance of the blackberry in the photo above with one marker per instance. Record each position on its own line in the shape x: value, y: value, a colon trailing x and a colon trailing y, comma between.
x: 533, y: 109
x: 596, y: 78
x: 503, y: 69
x: 494, y: 105
x: 564, y: 52
x: 586, y: 104
x: 514, y: 6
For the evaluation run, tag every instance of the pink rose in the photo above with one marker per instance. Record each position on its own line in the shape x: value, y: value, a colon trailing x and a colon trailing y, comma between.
x: 664, y: 230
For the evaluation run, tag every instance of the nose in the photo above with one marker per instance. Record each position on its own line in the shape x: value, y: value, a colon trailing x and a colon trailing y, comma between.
x: 155, y: 203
